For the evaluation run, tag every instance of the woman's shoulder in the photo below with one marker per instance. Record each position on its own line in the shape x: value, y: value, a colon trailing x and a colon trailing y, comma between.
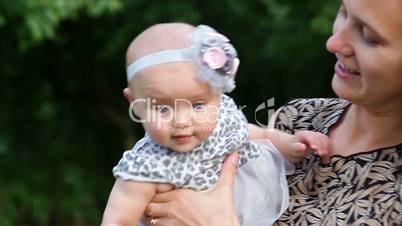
x: 316, y: 114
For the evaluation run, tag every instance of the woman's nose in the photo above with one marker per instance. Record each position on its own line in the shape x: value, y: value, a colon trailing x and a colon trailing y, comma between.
x: 338, y: 43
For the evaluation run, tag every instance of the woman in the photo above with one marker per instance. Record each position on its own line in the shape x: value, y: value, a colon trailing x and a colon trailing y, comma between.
x: 362, y: 184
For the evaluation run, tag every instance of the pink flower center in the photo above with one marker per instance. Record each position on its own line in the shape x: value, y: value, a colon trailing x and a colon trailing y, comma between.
x: 214, y: 57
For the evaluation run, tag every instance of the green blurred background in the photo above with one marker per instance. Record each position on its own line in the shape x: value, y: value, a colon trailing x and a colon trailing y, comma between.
x: 63, y: 121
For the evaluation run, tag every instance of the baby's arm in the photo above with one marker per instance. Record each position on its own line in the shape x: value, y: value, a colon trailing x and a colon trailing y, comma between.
x: 127, y: 202
x: 294, y: 147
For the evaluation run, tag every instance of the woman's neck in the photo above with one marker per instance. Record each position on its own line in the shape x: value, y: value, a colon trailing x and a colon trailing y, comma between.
x: 374, y: 123
x: 364, y: 129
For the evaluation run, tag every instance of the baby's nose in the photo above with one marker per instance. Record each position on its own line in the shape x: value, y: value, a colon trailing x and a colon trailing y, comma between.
x: 182, y: 119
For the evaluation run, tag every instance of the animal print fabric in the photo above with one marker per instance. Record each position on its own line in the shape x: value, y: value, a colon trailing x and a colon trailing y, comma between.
x: 198, y: 169
x: 361, y: 189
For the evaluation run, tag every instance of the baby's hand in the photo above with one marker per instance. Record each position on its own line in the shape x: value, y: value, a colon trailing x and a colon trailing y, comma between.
x: 306, y: 141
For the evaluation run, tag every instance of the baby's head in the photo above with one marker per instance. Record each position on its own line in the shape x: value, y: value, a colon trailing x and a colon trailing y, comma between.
x: 176, y: 73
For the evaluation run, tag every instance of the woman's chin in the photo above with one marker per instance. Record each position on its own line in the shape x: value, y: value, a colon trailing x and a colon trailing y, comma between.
x: 342, y: 89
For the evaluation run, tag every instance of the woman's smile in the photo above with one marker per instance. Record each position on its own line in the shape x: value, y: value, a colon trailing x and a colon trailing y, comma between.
x: 344, y: 72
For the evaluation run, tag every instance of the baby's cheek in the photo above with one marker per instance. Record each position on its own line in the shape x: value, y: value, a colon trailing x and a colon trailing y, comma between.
x: 206, y: 129
x: 159, y: 133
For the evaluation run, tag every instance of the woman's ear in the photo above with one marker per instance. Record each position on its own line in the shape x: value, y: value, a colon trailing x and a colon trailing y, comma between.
x: 128, y: 95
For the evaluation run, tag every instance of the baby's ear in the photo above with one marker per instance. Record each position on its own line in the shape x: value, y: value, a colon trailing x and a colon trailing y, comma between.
x: 128, y: 95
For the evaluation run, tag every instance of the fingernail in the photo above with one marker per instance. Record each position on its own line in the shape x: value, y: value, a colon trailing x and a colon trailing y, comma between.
x: 235, y: 158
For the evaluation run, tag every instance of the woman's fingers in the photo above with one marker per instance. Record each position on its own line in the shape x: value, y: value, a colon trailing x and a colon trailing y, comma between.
x: 163, y: 197
x: 183, y: 207
x: 228, y: 172
x: 168, y: 196
x: 157, y: 210
x: 160, y: 222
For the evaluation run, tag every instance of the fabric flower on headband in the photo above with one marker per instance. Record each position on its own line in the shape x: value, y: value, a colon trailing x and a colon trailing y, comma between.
x: 217, y: 58
x: 214, y: 57
x: 218, y: 55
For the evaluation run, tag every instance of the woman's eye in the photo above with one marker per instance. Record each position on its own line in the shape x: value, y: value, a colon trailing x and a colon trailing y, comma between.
x: 342, y: 11
x: 198, y: 106
x: 371, y: 41
x: 369, y: 38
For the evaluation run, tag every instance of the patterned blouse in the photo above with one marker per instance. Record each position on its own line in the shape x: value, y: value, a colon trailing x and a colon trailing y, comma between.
x: 360, y: 189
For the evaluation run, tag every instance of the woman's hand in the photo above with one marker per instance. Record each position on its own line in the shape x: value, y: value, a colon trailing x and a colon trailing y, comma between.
x: 185, y: 207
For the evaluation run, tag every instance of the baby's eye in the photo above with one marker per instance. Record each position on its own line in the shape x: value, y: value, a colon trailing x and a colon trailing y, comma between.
x: 162, y: 108
x: 198, y: 106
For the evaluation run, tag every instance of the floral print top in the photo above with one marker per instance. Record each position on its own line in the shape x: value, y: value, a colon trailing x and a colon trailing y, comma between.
x: 360, y: 189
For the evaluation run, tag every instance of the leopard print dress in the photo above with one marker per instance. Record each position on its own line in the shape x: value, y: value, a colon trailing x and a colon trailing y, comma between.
x: 360, y: 189
x: 260, y: 191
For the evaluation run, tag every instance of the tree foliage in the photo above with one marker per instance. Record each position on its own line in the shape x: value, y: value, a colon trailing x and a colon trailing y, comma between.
x: 64, y: 123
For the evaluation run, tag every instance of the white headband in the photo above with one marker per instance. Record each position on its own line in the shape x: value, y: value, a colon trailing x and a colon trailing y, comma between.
x: 215, y: 57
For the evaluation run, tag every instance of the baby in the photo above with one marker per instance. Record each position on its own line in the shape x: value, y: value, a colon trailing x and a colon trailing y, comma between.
x: 177, y: 74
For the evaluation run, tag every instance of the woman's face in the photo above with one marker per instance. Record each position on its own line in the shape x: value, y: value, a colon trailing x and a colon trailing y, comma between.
x: 367, y: 41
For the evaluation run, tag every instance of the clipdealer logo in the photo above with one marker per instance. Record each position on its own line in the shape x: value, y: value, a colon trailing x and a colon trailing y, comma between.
x: 153, y: 116
x: 267, y: 106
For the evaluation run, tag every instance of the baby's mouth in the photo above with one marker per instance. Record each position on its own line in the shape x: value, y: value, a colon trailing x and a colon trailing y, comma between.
x: 182, y: 138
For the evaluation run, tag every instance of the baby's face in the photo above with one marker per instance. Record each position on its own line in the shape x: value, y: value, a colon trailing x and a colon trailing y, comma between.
x: 177, y: 110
